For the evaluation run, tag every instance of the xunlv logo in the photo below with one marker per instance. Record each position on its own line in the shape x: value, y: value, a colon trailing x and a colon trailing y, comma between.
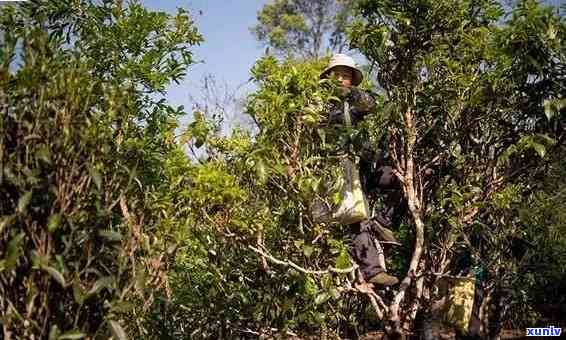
x: 544, y: 331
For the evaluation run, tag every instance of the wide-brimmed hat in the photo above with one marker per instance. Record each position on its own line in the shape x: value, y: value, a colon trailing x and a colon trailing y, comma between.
x: 344, y: 60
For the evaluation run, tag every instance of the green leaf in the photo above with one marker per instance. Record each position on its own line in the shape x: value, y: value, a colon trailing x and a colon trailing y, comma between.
x: 6, y: 220
x: 336, y: 198
x: 122, y: 307
x: 309, y: 287
x: 55, y: 274
x: 321, y: 298
x: 546, y: 139
x: 72, y: 335
x: 140, y: 279
x: 343, y: 260
x: 309, y: 119
x: 110, y: 235
x: 548, y: 109
x: 78, y: 292
x: 24, y: 201
x: 44, y: 154
x: 322, y: 134
x: 53, y: 222
x: 261, y: 171
x: 100, y: 284
x: 117, y: 330
x: 553, y: 106
x: 308, y: 250
x: 539, y: 148
x: 96, y: 176
x: 13, y: 252
x: 54, y: 333
x: 334, y: 293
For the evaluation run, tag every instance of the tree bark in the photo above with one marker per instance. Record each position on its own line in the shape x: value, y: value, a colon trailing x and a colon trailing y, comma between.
x: 410, y: 183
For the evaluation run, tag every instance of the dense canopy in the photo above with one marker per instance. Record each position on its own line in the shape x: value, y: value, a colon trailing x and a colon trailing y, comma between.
x: 109, y: 228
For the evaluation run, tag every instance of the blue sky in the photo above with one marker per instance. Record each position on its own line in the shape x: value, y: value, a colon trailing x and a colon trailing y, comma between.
x: 229, y: 49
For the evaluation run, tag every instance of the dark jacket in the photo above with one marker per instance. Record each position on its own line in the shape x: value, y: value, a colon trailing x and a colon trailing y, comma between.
x: 361, y: 103
x: 377, y: 178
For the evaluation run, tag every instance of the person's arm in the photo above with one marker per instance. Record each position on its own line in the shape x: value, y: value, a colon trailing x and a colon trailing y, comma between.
x: 387, y: 179
x: 362, y: 103
x: 362, y: 100
x: 335, y: 115
x: 395, y: 207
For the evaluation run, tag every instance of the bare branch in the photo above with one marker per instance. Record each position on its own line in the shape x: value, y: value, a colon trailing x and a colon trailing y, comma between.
x: 295, y: 266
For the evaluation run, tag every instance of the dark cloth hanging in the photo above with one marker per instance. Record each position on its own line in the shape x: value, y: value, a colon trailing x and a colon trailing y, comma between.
x: 378, y: 180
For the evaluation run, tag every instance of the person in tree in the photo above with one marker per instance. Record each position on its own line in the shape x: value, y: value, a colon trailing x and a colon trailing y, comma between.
x: 377, y: 178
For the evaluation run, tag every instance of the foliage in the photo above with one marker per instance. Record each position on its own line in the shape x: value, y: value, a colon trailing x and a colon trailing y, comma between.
x: 83, y: 150
x: 302, y: 27
x: 107, y: 228
x: 233, y: 289
x: 468, y: 90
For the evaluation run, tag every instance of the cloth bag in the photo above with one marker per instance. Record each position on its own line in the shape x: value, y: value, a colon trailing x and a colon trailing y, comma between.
x: 456, y: 306
x: 353, y: 206
x: 461, y: 303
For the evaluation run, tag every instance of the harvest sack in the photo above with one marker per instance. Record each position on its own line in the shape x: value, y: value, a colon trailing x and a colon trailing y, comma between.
x: 353, y: 206
x: 457, y: 308
x: 461, y: 303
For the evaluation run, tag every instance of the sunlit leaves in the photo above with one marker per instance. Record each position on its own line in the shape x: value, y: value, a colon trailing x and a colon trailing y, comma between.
x: 53, y: 222
x: 485, y: 83
x: 343, y: 260
x: 24, y: 201
x: 303, y: 27
x: 13, y: 252
x: 71, y: 335
x: 554, y: 107
x: 86, y: 152
x: 56, y: 275
x: 538, y: 143
x: 117, y: 330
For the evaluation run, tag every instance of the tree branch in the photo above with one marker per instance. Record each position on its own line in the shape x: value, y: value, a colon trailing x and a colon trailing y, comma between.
x: 295, y: 266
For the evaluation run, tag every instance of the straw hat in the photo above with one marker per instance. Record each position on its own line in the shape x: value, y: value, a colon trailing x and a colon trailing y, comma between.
x: 344, y: 60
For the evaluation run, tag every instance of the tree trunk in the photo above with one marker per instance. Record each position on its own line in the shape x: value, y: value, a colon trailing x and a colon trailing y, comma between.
x: 410, y: 182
